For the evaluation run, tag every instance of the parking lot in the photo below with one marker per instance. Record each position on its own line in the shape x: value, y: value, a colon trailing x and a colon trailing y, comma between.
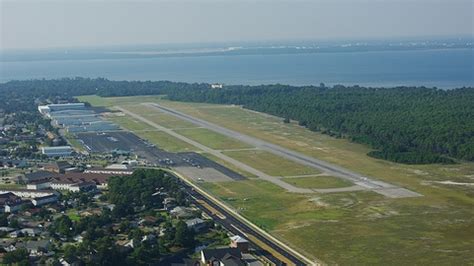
x: 191, y: 164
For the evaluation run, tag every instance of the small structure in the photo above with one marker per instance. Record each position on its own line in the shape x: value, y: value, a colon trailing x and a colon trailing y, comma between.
x: 239, y: 242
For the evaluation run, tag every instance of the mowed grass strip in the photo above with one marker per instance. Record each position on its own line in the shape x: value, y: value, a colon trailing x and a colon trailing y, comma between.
x: 130, y: 123
x: 318, y: 182
x: 270, y: 164
x: 159, y: 117
x: 165, y: 141
x: 212, y: 139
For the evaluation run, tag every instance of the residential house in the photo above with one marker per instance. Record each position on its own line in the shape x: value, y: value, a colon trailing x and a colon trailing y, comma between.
x: 222, y: 257
x: 197, y: 224
x: 239, y: 242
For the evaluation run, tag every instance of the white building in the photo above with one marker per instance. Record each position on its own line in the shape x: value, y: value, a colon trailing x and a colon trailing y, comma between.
x: 73, y: 187
x: 28, y: 193
x: 39, y: 185
x: 44, y: 200
x: 217, y: 86
x: 44, y: 109
x: 57, y: 151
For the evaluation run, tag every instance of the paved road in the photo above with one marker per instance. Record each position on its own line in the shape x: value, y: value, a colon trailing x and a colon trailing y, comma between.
x: 381, y: 187
x: 237, y: 227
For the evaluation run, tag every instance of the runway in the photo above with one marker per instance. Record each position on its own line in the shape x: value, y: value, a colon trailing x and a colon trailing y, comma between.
x: 362, y: 181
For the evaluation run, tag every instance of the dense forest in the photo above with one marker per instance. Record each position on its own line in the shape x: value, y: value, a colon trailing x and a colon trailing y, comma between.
x: 404, y: 124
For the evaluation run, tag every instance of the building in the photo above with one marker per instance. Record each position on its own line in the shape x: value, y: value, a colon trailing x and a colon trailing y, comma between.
x: 45, y: 109
x: 39, y: 184
x: 32, y: 232
x: 57, y: 167
x: 239, y: 242
x: 40, y: 201
x: 10, y: 202
x: 108, y: 171
x: 99, y: 179
x: 222, y: 256
x: 217, y: 86
x: 73, y: 186
x: 60, y: 151
x: 29, y: 193
x: 36, y: 176
x: 197, y: 224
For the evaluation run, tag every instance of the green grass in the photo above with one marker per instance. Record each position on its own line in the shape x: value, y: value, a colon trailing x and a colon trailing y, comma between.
x: 212, y: 139
x: 165, y: 141
x: 158, y: 117
x: 130, y: 123
x: 318, y: 182
x: 270, y: 164
x: 73, y: 215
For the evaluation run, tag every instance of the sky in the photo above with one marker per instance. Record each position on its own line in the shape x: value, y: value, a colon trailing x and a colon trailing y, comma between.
x: 27, y: 24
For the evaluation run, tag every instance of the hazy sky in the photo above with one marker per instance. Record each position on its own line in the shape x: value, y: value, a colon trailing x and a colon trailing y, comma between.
x: 66, y: 23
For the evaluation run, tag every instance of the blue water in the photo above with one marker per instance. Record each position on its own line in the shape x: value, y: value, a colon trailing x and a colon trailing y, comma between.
x: 441, y: 68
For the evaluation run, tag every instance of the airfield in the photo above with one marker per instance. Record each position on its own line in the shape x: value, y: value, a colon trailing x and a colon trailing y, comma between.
x: 351, y: 216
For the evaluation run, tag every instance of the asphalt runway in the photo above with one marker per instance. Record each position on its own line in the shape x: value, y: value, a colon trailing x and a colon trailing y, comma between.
x: 370, y: 183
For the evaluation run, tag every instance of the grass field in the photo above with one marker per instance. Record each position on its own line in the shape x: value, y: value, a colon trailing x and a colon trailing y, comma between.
x: 270, y: 164
x: 354, y: 228
x: 317, y: 182
x: 212, y: 139
x: 165, y: 141
x: 130, y: 123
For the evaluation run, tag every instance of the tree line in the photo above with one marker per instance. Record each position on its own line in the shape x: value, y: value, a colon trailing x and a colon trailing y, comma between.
x: 404, y: 124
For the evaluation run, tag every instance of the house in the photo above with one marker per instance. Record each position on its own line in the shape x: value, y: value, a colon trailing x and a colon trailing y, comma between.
x: 57, y: 167
x: 182, y: 212
x: 35, y: 248
x: 197, y: 224
x: 40, y: 201
x: 10, y: 202
x: 25, y: 232
x: 222, y: 257
x: 239, y: 242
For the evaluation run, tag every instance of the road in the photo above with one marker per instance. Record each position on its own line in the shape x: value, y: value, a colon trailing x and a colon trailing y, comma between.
x: 380, y: 187
x: 237, y: 227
